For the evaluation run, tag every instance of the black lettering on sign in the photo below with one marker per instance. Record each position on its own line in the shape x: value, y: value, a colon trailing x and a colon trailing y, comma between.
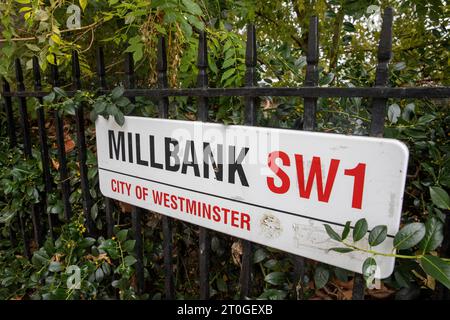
x: 171, y: 154
x: 235, y: 165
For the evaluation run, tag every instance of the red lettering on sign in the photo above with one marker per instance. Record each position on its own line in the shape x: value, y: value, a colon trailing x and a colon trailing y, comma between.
x: 285, y: 182
x: 315, y: 173
x: 359, y: 173
x: 227, y: 216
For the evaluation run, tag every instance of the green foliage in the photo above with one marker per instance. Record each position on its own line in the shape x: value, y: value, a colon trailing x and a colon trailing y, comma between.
x: 425, y: 237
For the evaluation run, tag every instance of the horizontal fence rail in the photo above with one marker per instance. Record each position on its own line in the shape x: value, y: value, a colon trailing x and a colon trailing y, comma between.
x: 251, y: 92
x: 304, y: 92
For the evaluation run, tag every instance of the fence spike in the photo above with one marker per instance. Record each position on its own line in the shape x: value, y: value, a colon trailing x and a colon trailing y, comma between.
x: 60, y: 142
x: 136, y: 213
x: 250, y: 120
x: 109, y: 206
x: 45, y: 159
x: 382, y: 73
x: 202, y: 115
x: 163, y: 103
x: 312, y: 74
x: 81, y: 147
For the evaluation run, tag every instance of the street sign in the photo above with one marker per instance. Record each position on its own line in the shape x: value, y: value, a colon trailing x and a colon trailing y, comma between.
x: 275, y: 187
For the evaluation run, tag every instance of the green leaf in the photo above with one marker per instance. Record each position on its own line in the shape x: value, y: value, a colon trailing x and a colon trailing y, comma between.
x: 122, y: 102
x: 331, y: 233
x: 440, y: 198
x: 117, y: 92
x: 394, y: 113
x: 410, y: 235
x: 55, y: 266
x: 346, y: 230
x: 437, y: 268
x: 360, y: 229
x: 122, y: 235
x: 259, y: 255
x: 192, y: 7
x: 128, y: 246
x: 321, y: 276
x: 120, y: 118
x: 228, y: 63
x: 399, y: 66
x: 83, y: 4
x: 100, y: 106
x: 377, y: 235
x: 48, y: 99
x: 341, y: 249
x: 129, y: 260
x: 87, y: 242
x: 368, y: 270
x: 275, y: 278
x: 228, y: 74
x: 434, y: 235
x: 33, y: 47
x: 326, y: 79
x: 60, y: 92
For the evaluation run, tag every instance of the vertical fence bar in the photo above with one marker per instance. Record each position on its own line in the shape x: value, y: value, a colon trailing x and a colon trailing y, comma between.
x: 378, y: 109
x: 250, y: 120
x: 109, y: 206
x: 312, y: 74
x: 27, y: 152
x: 81, y: 146
x: 163, y: 103
x: 202, y: 115
x: 9, y: 115
x: 48, y: 184
x: 309, y: 124
x: 382, y: 73
x: 136, y: 213
x: 63, y: 174
x: 12, y: 143
x: 35, y: 210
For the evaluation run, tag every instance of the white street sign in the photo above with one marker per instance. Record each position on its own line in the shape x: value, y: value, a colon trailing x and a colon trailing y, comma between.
x: 276, y: 187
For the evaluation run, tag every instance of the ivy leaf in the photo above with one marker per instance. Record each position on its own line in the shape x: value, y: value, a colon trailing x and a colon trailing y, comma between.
x: 119, y: 117
x: 259, y: 255
x: 48, y: 99
x: 341, y: 249
x: 192, y: 7
x: 55, y: 266
x: 409, y: 236
x: 434, y: 235
x: 394, y: 112
x: 117, y: 92
x: 83, y: 4
x: 321, y: 276
x: 275, y: 278
x: 368, y: 270
x: 360, y: 229
x: 100, y: 106
x: 437, y: 268
x: 377, y: 235
x: 440, y: 197
x: 129, y: 260
x: 228, y: 74
x: 122, y: 235
x: 333, y: 235
x: 128, y: 246
x: 346, y: 230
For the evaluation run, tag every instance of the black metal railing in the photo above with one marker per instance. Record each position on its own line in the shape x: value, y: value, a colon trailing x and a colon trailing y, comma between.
x: 310, y: 93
